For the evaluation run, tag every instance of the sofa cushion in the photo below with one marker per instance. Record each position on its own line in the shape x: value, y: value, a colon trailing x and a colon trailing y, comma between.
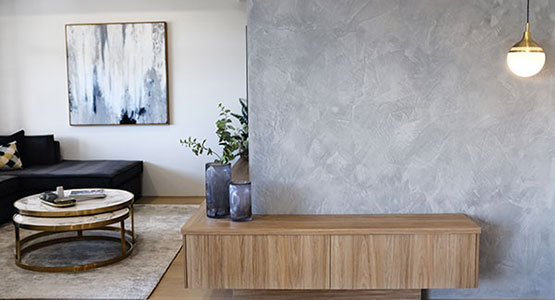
x: 8, y: 185
x: 9, y: 157
x: 57, y: 151
x: 18, y: 137
x: 78, y: 174
x: 39, y: 150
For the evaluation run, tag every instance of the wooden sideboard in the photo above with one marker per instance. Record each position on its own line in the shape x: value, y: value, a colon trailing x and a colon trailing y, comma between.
x: 332, y: 252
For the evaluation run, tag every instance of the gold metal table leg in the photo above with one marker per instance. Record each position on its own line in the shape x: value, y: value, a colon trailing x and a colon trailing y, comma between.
x: 17, y: 245
x: 123, y: 237
x: 23, y: 248
x: 71, y: 268
x: 132, y: 223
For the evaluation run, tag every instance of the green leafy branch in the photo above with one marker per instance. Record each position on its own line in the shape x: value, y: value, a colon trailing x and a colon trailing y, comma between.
x: 198, y: 148
x: 234, y: 141
x: 242, y: 134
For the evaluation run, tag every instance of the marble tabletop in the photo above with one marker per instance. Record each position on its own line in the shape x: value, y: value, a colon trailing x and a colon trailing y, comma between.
x: 114, y: 200
x: 70, y: 221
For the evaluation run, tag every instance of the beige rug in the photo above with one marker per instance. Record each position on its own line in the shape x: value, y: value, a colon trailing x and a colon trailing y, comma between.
x: 158, y: 241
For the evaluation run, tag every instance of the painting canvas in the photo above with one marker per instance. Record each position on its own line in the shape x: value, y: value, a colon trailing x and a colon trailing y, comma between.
x: 117, y: 73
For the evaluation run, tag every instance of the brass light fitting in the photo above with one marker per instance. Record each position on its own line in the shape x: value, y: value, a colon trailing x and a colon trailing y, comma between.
x: 526, y: 58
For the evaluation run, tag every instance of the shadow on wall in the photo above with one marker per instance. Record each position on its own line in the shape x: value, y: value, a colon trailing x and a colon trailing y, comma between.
x: 294, y: 196
x: 493, y: 248
x: 68, y: 143
x: 494, y: 242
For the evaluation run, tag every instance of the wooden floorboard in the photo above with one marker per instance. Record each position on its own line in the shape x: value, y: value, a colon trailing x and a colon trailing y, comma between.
x: 327, y: 294
x: 170, y: 200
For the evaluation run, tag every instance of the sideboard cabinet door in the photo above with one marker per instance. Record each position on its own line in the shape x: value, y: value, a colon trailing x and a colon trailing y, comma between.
x: 258, y: 261
x: 404, y: 261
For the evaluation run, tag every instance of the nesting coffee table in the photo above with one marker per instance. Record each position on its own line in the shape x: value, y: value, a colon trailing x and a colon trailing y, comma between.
x: 87, y: 215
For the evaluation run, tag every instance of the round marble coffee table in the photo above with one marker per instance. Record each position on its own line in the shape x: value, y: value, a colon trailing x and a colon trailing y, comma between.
x: 94, y: 214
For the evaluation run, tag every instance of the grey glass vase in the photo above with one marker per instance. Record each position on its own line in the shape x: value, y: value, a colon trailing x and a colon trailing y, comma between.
x: 240, y: 201
x: 218, y: 178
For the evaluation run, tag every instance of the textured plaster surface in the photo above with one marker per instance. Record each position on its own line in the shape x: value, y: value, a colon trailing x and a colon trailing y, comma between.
x: 390, y: 106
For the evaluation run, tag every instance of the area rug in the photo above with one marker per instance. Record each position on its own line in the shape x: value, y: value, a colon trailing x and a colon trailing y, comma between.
x: 158, y: 241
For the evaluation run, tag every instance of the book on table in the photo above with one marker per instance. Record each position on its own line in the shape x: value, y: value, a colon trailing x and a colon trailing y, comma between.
x: 87, y: 194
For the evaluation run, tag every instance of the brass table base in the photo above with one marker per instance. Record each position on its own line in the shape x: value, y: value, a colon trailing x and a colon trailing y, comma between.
x: 127, y: 240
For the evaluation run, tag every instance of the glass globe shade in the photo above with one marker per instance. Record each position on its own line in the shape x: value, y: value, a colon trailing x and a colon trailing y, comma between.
x: 525, y: 64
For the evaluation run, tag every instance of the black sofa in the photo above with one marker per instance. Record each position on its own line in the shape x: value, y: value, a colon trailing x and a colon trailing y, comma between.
x: 43, y: 170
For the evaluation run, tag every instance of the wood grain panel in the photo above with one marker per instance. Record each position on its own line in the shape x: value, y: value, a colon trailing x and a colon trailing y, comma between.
x: 403, y: 261
x: 333, y: 224
x: 257, y: 262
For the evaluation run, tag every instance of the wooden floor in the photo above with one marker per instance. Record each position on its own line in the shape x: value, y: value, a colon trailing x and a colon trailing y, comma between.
x: 170, y: 200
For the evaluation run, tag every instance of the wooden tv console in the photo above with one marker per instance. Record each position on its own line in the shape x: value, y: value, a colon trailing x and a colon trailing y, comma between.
x: 332, y: 252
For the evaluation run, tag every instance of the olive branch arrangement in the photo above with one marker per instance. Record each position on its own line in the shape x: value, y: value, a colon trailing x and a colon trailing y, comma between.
x: 233, y: 140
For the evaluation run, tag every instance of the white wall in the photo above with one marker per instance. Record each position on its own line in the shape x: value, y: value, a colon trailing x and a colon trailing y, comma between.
x: 9, y: 109
x: 206, y: 49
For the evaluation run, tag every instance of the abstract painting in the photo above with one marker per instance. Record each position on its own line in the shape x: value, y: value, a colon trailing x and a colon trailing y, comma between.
x: 117, y: 73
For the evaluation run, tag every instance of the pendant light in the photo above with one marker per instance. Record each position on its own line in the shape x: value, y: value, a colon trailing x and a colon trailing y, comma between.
x: 526, y: 58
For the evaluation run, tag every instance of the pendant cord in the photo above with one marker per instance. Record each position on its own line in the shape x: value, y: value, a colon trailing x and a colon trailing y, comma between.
x: 527, y: 11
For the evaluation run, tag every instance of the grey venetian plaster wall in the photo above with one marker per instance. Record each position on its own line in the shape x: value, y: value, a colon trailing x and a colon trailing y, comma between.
x: 387, y: 106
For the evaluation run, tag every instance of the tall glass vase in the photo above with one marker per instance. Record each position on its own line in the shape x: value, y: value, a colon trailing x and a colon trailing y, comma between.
x: 218, y: 178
